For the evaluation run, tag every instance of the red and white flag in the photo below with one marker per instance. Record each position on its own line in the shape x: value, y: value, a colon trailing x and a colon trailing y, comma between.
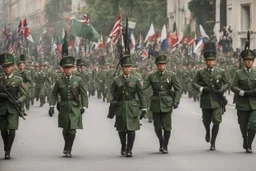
x: 115, y: 31
x: 100, y: 44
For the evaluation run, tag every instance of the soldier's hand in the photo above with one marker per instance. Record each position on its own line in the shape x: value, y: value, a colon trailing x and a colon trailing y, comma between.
x: 3, y: 96
x: 175, y: 105
x: 143, y: 113
x: 51, y: 111
x: 16, y: 103
x: 82, y: 111
x: 220, y: 91
x: 206, y: 90
x: 249, y: 93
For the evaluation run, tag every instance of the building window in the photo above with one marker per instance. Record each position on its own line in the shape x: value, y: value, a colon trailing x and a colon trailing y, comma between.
x: 245, y: 17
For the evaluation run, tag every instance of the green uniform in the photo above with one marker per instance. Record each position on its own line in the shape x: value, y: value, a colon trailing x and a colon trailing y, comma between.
x: 206, y: 81
x: 166, y: 95
x: 40, y: 92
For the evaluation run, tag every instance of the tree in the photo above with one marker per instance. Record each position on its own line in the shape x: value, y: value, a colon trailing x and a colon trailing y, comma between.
x: 204, y: 13
x: 102, y: 14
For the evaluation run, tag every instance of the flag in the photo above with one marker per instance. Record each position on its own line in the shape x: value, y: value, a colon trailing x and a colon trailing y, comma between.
x: 87, y: 31
x: 115, y: 30
x: 132, y: 44
x: 19, y: 28
x: 100, y: 44
x: 4, y: 33
x: 26, y: 31
x: 203, y: 33
x: 64, y: 42
x: 163, y: 38
x: 151, y: 36
x: 86, y: 18
x: 199, y: 47
x: 190, y: 41
x: 40, y: 45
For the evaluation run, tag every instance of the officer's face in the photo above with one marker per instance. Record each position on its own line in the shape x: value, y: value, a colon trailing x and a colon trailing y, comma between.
x: 83, y: 68
x: 68, y: 70
x: 161, y: 67
x: 21, y: 66
x: 248, y: 63
x: 210, y: 63
x: 127, y: 70
x: 8, y: 69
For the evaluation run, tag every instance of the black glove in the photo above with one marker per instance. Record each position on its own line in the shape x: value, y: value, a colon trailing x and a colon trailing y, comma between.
x: 51, y: 111
x: 206, y: 90
x: 220, y: 91
x: 142, y: 114
x: 16, y: 103
x: 175, y: 105
x: 249, y: 93
x: 3, y: 96
x: 82, y: 110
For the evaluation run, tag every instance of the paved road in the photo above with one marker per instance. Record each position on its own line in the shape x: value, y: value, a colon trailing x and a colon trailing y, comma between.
x: 38, y: 145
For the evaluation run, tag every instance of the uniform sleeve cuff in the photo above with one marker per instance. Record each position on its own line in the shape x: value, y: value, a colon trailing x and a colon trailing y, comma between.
x: 51, y: 106
x: 241, y: 93
x: 143, y: 109
x: 201, y: 89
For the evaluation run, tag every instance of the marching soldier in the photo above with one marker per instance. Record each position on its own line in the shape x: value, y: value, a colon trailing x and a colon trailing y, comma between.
x: 163, y: 100
x: 212, y: 83
x: 69, y: 87
x: 244, y: 86
x: 9, y: 117
x: 127, y: 111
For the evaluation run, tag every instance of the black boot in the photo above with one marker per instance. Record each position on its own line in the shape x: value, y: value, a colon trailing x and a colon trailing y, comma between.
x: 130, y: 138
x: 41, y: 102
x: 215, y: 130
x: 245, y: 138
x: 159, y: 135
x: 167, y: 135
x: 207, y: 135
x: 122, y: 136
x: 71, y: 138
x: 65, y: 136
x: 11, y: 138
x: 251, y: 135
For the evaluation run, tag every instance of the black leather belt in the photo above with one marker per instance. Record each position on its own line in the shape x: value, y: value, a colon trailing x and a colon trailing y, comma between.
x: 161, y: 93
x: 127, y: 97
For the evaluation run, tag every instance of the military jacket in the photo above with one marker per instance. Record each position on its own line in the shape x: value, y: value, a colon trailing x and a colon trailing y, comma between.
x: 244, y: 81
x: 128, y: 110
x: 166, y: 90
x: 69, y: 114
x: 17, y: 86
x: 205, y: 78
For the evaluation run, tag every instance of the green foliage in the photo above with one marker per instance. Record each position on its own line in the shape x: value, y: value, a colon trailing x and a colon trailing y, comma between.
x: 103, y: 14
x: 204, y: 13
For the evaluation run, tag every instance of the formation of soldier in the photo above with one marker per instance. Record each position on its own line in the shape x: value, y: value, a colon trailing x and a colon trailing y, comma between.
x: 149, y: 90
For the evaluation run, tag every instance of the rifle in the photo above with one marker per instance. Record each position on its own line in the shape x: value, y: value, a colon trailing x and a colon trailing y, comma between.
x: 12, y: 98
x: 213, y: 87
x: 114, y: 102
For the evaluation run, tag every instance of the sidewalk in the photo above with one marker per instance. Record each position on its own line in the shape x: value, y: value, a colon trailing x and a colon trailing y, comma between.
x: 230, y: 99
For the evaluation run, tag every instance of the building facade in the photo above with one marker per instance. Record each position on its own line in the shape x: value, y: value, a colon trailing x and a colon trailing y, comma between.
x: 178, y: 12
x: 241, y: 16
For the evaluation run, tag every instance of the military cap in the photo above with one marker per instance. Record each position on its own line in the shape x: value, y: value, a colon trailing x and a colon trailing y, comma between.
x: 37, y: 64
x: 67, y: 61
x: 22, y: 59
x: 161, y: 59
x: 126, y: 60
x: 78, y: 62
x: 209, y: 50
x: 247, y: 54
x: 6, y: 59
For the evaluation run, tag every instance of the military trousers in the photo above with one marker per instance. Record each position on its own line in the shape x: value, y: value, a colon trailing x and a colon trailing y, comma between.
x: 247, y: 119
x: 162, y: 120
x: 212, y: 115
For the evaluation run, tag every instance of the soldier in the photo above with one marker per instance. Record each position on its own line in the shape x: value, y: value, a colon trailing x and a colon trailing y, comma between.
x: 69, y: 87
x: 244, y: 86
x: 9, y: 117
x: 127, y: 112
x: 206, y: 81
x: 25, y: 75
x: 163, y: 100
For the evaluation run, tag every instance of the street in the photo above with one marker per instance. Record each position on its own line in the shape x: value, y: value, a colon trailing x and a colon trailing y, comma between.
x: 38, y: 145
